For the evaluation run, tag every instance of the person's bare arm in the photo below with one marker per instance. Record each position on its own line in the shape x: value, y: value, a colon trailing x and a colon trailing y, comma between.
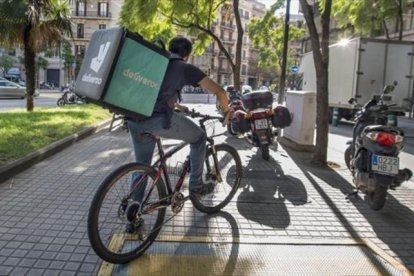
x: 221, y: 94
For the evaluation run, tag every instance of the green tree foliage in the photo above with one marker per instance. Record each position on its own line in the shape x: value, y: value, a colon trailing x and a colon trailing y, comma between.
x: 6, y: 62
x: 165, y: 18
x: 33, y: 25
x: 370, y: 17
x: 267, y: 35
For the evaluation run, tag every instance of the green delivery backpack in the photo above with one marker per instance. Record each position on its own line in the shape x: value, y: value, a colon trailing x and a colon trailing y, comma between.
x: 122, y: 71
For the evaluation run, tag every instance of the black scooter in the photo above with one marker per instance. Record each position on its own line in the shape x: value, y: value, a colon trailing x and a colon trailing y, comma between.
x: 69, y: 97
x: 372, y: 155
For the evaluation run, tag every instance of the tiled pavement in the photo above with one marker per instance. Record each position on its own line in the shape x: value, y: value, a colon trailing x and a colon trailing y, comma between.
x: 43, y: 210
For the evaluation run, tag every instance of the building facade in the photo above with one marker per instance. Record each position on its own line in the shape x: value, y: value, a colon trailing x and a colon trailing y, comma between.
x: 214, y: 61
x: 91, y: 15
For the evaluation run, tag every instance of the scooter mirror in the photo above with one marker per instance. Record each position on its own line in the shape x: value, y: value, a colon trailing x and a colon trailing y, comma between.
x: 388, y: 89
x: 352, y: 101
x: 386, y: 98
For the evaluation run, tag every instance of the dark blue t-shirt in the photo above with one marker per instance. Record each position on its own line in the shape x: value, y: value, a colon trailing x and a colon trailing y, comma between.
x: 178, y: 74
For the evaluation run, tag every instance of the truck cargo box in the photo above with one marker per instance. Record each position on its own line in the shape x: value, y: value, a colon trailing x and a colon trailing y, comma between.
x: 361, y: 67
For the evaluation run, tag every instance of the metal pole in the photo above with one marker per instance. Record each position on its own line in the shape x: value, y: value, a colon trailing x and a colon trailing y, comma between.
x: 284, y: 58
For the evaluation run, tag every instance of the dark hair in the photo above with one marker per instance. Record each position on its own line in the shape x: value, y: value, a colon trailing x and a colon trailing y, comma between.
x: 181, y: 46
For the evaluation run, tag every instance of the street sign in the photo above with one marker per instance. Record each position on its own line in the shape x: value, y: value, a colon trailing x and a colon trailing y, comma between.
x: 294, y: 69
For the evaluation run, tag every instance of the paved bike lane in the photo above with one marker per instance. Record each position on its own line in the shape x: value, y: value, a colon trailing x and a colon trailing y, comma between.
x: 284, y: 207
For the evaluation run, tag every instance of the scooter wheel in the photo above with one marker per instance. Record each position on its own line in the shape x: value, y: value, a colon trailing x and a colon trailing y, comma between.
x: 60, y: 102
x: 265, y: 152
x: 347, y: 157
x: 376, y: 199
x: 230, y: 130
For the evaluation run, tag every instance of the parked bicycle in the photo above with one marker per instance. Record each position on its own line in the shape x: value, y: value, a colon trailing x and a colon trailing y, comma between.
x: 113, y: 206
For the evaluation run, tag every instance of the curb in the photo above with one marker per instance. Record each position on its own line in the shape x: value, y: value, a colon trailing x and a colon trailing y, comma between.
x: 14, y: 167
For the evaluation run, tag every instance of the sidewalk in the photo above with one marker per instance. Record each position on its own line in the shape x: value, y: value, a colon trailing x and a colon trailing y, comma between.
x: 284, y: 203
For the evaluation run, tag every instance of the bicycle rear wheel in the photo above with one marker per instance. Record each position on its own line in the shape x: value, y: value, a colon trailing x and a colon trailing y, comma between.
x: 117, y: 206
x: 230, y: 168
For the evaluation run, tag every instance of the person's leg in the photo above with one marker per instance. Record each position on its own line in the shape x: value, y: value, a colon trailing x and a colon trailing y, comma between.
x: 144, y: 150
x: 183, y: 128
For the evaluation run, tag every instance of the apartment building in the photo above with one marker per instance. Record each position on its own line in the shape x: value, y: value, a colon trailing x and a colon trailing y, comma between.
x: 214, y: 60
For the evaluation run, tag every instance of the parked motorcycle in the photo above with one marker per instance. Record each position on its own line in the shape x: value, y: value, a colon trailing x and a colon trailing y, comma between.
x: 235, y: 102
x: 69, y: 97
x: 372, y: 155
x: 257, y: 120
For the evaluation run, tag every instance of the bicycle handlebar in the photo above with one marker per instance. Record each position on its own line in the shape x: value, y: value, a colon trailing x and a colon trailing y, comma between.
x: 204, y: 117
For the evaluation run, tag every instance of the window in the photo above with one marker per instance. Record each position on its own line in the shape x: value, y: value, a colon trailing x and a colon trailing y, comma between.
x: 246, y: 15
x: 80, y: 8
x: 102, y: 26
x: 80, y: 31
x: 80, y: 51
x: 244, y: 69
x: 103, y: 9
x: 244, y: 54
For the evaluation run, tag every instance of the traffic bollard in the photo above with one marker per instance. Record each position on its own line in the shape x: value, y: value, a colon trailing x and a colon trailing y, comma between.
x: 335, y: 117
x: 391, y: 120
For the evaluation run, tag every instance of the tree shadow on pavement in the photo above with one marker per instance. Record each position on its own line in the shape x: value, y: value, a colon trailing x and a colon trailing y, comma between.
x: 265, y: 193
x: 222, y: 225
x: 392, y: 225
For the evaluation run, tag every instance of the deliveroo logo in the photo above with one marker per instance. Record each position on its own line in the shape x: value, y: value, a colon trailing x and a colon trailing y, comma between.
x: 96, y: 62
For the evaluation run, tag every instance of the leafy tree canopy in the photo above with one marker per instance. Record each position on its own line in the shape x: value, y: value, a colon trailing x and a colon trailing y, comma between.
x: 6, y: 62
x: 367, y: 16
x: 267, y: 35
x: 162, y: 19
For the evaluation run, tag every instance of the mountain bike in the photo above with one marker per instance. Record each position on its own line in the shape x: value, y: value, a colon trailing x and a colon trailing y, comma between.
x: 114, y: 205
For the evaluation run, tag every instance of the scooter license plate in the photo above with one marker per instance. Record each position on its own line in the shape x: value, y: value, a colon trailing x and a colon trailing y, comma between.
x: 385, y: 164
x: 260, y: 124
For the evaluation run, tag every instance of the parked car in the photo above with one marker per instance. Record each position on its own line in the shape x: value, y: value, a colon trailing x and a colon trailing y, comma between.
x: 12, y: 89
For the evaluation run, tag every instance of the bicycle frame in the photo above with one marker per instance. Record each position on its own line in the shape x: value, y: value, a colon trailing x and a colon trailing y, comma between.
x: 160, y: 166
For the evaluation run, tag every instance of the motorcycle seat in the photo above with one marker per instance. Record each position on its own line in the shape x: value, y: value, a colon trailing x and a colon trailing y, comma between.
x: 383, y: 129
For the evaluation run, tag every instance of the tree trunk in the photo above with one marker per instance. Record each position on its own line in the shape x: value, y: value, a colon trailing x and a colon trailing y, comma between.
x: 237, y: 64
x: 400, y: 19
x: 321, y: 59
x: 29, y: 64
x: 387, y: 33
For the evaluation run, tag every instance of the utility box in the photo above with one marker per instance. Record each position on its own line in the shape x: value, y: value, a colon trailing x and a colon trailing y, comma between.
x: 302, y: 105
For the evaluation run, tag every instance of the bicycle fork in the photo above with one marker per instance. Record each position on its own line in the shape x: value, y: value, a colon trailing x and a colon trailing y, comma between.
x: 216, y: 163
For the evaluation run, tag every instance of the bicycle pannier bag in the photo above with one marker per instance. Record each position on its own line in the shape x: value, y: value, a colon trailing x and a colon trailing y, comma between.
x: 239, y: 123
x: 122, y: 71
x: 281, y: 117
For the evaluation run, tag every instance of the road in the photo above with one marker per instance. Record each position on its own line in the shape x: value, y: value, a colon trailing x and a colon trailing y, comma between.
x: 46, y: 98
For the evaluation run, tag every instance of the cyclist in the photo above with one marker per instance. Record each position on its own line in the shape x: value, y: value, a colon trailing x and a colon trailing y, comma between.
x: 166, y: 123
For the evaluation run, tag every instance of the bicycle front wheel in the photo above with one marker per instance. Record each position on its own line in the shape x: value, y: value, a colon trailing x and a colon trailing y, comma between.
x: 126, y: 216
x: 226, y: 172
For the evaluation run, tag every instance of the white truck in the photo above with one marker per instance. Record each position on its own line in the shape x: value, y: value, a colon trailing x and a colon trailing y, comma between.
x: 360, y: 68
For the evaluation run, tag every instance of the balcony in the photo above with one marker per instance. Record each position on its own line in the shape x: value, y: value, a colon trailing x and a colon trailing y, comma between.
x: 222, y: 55
x: 228, y: 42
x: 228, y: 26
x: 223, y: 70
x: 91, y: 14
